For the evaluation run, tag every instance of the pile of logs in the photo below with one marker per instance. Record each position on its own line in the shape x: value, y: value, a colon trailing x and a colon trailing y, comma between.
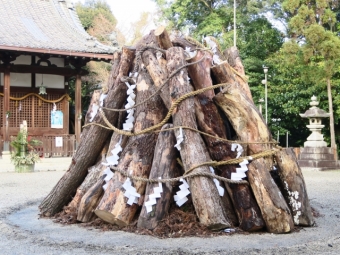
x: 178, y: 120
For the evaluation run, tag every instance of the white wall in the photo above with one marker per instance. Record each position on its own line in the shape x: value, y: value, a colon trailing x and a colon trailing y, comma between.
x: 24, y: 79
x: 19, y: 79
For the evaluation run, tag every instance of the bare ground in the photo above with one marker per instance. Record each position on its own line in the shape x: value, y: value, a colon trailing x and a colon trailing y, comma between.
x: 22, y: 232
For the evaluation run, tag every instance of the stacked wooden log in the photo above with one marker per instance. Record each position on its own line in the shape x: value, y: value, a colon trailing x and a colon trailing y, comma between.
x: 178, y: 121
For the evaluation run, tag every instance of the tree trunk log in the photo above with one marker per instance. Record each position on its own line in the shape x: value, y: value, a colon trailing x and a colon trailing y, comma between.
x: 93, y: 137
x: 114, y: 70
x: 164, y: 165
x: 245, y: 119
x: 162, y: 37
x: 93, y: 103
x: 250, y: 128
x: 294, y: 186
x: 274, y: 208
x: 233, y: 58
x: 93, y: 175
x: 223, y: 73
x: 136, y: 157
x: 95, y: 172
x: 90, y: 201
x: 206, y: 199
x: 158, y: 72
x: 210, y: 121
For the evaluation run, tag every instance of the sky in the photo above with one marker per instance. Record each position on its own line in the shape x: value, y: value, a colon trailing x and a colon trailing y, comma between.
x: 128, y: 11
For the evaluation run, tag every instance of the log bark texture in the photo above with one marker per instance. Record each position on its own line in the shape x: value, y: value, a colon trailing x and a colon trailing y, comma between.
x: 274, y: 208
x: 223, y: 73
x: 93, y: 137
x: 210, y: 121
x: 136, y: 157
x: 95, y: 172
x: 156, y: 67
x: 164, y: 165
x: 90, y: 201
x: 245, y: 118
x: 163, y: 38
x: 295, y: 191
x: 206, y: 200
x: 233, y: 58
x: 93, y: 175
x: 250, y: 128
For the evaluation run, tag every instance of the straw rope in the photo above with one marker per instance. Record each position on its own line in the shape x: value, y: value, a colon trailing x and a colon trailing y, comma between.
x: 40, y: 97
x: 188, y: 173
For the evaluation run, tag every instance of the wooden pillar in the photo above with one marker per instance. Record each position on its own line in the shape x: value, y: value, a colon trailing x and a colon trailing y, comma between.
x: 6, y: 108
x: 78, y: 113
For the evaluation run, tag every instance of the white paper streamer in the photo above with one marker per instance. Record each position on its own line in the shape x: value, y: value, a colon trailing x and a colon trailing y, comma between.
x: 54, y: 107
x: 213, y: 47
x: 217, y: 183
x: 128, y: 125
x: 113, y: 159
x: 94, y: 111
x: 152, y: 197
x: 191, y: 53
x: 101, y: 99
x: 238, y: 148
x: 240, y: 171
x: 181, y: 196
x: 108, y: 177
x: 130, y: 192
x: 180, y: 139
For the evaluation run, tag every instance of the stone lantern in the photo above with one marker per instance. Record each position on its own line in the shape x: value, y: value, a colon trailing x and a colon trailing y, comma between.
x: 315, y: 115
x: 315, y: 154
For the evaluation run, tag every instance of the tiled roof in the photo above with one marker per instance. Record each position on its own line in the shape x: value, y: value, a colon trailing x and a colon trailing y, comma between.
x: 45, y: 24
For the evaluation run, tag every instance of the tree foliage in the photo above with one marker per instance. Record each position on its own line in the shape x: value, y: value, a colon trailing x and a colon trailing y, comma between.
x: 297, y: 69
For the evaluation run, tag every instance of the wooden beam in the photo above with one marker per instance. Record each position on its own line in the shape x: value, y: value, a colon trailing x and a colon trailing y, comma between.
x: 78, y: 112
x: 92, y: 56
x: 64, y: 71
x: 6, y: 102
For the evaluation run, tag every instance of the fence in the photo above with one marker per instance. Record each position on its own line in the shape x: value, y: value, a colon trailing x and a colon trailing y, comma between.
x: 54, y: 146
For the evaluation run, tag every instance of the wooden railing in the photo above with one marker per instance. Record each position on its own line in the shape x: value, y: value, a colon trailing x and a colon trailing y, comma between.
x: 49, y: 147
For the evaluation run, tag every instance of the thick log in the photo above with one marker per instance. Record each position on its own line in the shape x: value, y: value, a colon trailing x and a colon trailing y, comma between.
x: 223, y: 73
x: 93, y: 175
x: 157, y: 69
x: 94, y: 103
x: 95, y: 172
x: 163, y: 38
x: 210, y: 121
x: 93, y: 137
x: 206, y: 199
x: 114, y: 70
x: 180, y: 41
x: 274, y: 208
x: 90, y: 201
x: 250, y: 128
x: 136, y: 157
x: 164, y: 165
x: 245, y: 118
x: 294, y: 186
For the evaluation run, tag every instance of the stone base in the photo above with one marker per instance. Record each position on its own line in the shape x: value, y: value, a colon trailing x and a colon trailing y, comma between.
x: 314, y: 144
x: 6, y: 156
x: 24, y: 168
x: 318, y: 158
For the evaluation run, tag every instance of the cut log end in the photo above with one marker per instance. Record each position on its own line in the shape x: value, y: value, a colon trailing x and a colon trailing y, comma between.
x: 105, y: 216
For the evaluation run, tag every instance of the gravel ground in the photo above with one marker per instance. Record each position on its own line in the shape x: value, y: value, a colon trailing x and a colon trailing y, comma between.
x: 22, y: 232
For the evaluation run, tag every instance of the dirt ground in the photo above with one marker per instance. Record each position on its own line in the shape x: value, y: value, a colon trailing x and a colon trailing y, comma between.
x: 22, y: 232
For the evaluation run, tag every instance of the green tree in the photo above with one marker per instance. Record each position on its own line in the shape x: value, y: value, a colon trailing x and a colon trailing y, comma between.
x: 98, y: 20
x: 314, y: 44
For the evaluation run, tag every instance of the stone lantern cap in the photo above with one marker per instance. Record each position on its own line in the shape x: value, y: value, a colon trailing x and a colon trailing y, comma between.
x: 314, y: 111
